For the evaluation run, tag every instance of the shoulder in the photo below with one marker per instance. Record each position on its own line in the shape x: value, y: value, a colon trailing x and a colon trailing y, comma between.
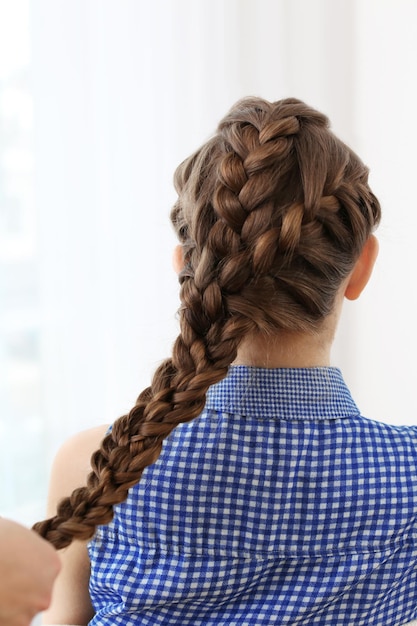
x: 71, y: 601
x: 71, y: 465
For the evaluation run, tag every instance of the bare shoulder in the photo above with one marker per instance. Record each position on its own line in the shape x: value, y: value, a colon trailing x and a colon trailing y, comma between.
x: 81, y: 445
x: 71, y: 601
x: 71, y: 465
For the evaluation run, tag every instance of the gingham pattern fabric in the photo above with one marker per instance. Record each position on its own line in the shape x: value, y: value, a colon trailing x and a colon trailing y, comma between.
x: 279, y: 504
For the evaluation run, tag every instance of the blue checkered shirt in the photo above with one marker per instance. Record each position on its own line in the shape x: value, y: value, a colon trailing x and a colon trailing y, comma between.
x: 279, y: 504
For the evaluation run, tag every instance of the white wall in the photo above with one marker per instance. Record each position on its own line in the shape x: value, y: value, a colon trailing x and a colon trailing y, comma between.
x: 382, y: 326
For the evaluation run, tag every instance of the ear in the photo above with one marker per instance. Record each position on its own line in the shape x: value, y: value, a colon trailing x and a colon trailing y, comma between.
x: 362, y: 271
x: 177, y: 259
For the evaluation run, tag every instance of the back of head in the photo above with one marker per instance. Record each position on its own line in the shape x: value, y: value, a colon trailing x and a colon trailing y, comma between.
x: 272, y: 214
x: 274, y: 209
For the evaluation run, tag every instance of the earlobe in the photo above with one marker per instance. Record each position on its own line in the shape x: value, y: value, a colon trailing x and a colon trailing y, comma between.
x: 178, y: 259
x: 363, y: 269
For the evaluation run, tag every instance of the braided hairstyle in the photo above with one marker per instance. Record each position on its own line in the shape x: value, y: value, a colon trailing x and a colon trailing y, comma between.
x: 272, y: 214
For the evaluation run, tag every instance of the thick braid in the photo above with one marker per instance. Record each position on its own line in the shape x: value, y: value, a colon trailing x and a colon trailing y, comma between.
x: 201, y: 356
x: 272, y: 214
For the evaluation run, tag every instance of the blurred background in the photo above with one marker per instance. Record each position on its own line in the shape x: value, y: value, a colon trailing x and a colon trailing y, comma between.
x: 99, y: 102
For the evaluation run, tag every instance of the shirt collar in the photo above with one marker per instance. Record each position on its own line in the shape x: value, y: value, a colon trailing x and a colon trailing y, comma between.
x: 318, y: 393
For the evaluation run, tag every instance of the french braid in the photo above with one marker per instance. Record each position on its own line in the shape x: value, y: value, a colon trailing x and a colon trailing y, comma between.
x: 272, y: 214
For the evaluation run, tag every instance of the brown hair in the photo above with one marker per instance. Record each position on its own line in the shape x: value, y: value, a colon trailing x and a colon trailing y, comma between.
x: 272, y: 213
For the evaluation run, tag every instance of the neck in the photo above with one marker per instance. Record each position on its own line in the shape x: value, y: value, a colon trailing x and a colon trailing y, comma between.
x: 286, y: 350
